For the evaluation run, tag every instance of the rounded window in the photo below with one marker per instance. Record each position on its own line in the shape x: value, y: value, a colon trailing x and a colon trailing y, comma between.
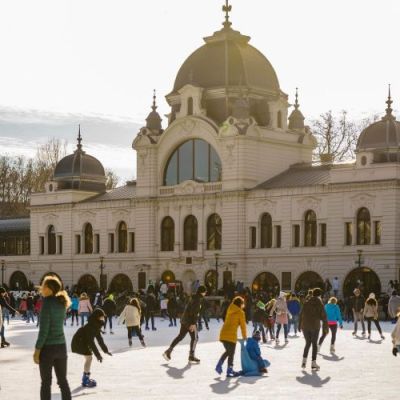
x: 194, y: 160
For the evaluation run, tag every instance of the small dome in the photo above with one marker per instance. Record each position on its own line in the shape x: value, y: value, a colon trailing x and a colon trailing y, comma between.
x: 381, y: 135
x: 247, y: 66
x: 153, y: 120
x: 80, y: 171
x: 296, y: 118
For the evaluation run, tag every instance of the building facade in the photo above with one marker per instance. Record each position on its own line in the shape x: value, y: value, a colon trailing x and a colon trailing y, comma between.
x: 228, y: 191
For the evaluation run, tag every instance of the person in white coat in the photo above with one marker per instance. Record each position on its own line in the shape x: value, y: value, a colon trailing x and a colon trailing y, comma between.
x: 396, y: 337
x: 131, y: 315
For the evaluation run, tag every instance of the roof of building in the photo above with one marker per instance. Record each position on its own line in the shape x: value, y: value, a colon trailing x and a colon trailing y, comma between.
x: 247, y: 66
x: 299, y: 175
x: 121, y: 193
x: 15, y: 224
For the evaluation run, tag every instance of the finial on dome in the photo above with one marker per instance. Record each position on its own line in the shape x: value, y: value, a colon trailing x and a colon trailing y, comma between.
x: 389, y: 104
x: 296, y: 103
x: 154, y: 106
x: 296, y: 118
x: 79, y: 145
x: 153, y: 121
x: 227, y: 8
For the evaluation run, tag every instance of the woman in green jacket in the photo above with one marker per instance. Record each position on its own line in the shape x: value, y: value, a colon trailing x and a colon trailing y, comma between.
x: 51, y: 350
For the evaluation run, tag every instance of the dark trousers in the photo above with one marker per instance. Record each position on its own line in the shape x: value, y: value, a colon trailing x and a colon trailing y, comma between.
x: 285, y: 330
x: 172, y: 320
x: 229, y: 353
x: 311, y: 337
x: 369, y: 320
x: 135, y: 329
x: 150, y: 316
x: 74, y: 315
x: 109, y: 319
x: 182, y: 333
x: 3, y: 338
x: 333, y: 329
x: 54, y: 356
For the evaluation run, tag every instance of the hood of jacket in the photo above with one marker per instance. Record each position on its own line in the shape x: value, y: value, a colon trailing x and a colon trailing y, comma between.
x: 233, y: 309
x: 371, y: 302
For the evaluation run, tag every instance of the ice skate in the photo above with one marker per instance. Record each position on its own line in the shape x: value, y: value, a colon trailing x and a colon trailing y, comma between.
x: 193, y: 360
x: 143, y: 343
x: 332, y: 349
x: 167, y: 355
x: 303, y: 363
x: 314, y: 366
x: 230, y: 373
x: 130, y: 342
x: 218, y: 368
x: 87, y: 382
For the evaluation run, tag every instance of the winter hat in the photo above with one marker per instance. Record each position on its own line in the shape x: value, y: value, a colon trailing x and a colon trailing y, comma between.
x: 371, y: 296
x: 317, y: 292
x: 97, y: 314
x: 2, y: 290
x: 201, y: 289
x: 257, y: 335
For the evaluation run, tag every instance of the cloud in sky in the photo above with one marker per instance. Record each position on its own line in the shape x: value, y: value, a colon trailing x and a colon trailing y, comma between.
x: 107, y: 138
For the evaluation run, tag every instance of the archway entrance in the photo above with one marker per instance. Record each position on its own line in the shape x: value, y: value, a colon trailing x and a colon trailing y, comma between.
x: 87, y: 283
x: 308, y: 280
x: 168, y: 276
x: 363, y: 278
x: 19, y: 281
x: 121, y: 284
x: 266, y: 282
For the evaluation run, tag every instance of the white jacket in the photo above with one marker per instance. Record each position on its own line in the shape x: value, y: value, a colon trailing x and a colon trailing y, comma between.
x: 130, y: 315
x: 396, y: 334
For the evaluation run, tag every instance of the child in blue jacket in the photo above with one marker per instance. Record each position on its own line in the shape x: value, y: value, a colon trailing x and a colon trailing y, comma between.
x: 253, y: 349
x: 334, y: 316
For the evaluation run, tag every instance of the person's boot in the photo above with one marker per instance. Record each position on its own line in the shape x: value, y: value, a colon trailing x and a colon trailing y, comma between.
x: 87, y: 382
x: 130, y: 342
x: 314, y: 366
x: 4, y: 343
x: 142, y: 343
x: 230, y: 373
x: 332, y: 348
x: 167, y: 354
x: 218, y: 368
x: 382, y: 337
x: 153, y: 328
x: 303, y: 363
x: 193, y: 359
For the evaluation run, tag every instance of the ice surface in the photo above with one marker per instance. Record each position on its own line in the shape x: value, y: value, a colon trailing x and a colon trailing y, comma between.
x: 362, y: 369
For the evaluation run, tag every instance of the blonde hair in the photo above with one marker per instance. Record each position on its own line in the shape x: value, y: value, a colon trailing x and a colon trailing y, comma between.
x: 332, y: 300
x: 56, y: 286
x: 83, y: 296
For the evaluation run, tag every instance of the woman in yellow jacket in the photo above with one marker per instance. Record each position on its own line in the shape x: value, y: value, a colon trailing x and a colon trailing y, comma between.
x: 234, y: 318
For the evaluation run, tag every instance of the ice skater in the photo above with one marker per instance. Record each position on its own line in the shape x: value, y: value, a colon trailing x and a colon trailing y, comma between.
x: 370, y: 313
x: 396, y: 336
x: 131, y: 315
x: 334, y: 316
x: 83, y: 343
x: 282, y: 316
x: 234, y: 319
x: 254, y: 351
x: 189, y: 320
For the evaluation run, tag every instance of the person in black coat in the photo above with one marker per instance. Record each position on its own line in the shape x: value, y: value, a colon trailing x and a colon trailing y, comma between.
x: 109, y: 308
x: 151, y: 307
x: 172, y: 309
x: 83, y: 343
x: 4, y: 305
x: 189, y: 320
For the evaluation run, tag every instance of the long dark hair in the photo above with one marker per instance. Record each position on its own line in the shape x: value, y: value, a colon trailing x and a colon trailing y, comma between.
x: 135, y: 302
x: 55, y: 285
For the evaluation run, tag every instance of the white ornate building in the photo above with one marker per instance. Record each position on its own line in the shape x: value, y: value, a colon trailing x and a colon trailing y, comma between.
x: 231, y: 174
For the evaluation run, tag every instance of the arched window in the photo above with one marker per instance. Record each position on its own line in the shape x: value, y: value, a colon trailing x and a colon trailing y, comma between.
x: 194, y: 160
x: 214, y: 232
x: 190, y: 233
x: 122, y: 237
x: 190, y: 106
x: 266, y: 231
x: 279, y: 119
x: 51, y: 240
x: 167, y: 234
x: 363, y: 226
x: 310, y: 229
x: 88, y: 239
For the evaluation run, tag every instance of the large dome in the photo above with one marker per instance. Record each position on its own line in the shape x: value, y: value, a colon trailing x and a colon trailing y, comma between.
x: 245, y: 66
x: 80, y: 171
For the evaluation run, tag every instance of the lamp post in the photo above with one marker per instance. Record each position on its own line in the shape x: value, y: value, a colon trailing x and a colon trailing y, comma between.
x: 3, y: 267
x: 101, y: 273
x: 216, y: 255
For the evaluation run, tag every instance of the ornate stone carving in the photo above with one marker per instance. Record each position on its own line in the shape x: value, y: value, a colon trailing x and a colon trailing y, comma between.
x: 309, y: 203
x: 362, y: 200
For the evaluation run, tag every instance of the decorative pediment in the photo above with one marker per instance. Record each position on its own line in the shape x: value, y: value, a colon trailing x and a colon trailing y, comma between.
x: 362, y: 200
x: 309, y: 203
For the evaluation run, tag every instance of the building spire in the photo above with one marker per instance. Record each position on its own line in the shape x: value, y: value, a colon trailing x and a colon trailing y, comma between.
x: 79, y: 145
x: 389, y: 104
x: 227, y: 8
x: 296, y: 103
x: 154, y: 106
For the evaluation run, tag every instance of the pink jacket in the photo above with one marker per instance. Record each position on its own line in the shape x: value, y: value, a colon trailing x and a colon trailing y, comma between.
x: 85, y: 306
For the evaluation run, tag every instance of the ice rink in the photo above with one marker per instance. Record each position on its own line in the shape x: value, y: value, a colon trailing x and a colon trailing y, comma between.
x: 361, y: 369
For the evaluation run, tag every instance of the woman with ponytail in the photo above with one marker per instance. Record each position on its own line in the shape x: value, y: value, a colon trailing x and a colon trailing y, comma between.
x: 51, y: 350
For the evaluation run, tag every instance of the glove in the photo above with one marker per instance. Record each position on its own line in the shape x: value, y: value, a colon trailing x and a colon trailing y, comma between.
x: 100, y: 359
x: 394, y: 351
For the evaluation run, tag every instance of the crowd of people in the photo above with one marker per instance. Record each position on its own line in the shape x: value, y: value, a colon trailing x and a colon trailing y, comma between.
x: 270, y: 314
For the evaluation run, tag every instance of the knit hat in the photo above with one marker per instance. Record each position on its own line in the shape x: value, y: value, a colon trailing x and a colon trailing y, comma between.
x: 371, y: 296
x: 201, y: 289
x: 257, y: 335
x: 2, y: 290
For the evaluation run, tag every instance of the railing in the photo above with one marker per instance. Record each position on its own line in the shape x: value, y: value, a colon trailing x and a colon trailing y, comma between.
x: 206, y: 188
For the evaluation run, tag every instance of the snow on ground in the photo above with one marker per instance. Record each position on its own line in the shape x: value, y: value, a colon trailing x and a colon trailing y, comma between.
x: 361, y: 369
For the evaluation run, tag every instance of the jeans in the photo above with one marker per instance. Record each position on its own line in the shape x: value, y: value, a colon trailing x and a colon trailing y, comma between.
x: 172, y: 320
x: 182, y: 333
x: 311, y: 337
x: 74, y: 315
x: 29, y: 315
x: 6, y: 316
x: 295, y: 322
x: 83, y: 315
x: 150, y: 316
x: 369, y: 320
x: 109, y: 319
x: 333, y: 329
x: 229, y: 353
x: 358, y: 316
x: 54, y: 356
x: 260, y: 326
x: 135, y: 329
x: 3, y: 338
x: 285, y: 330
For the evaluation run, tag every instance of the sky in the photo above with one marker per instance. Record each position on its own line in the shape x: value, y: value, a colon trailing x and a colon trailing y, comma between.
x: 66, y: 62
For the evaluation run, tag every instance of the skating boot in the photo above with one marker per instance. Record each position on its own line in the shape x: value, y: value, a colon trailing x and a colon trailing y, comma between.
x: 303, y: 363
x: 230, y: 373
x: 167, y: 355
x: 218, y: 368
x: 193, y: 359
x: 111, y: 333
x: 382, y: 337
x: 332, y: 348
x: 87, y: 382
x: 153, y: 328
x: 4, y: 343
x: 143, y: 343
x: 314, y: 366
x: 130, y: 342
